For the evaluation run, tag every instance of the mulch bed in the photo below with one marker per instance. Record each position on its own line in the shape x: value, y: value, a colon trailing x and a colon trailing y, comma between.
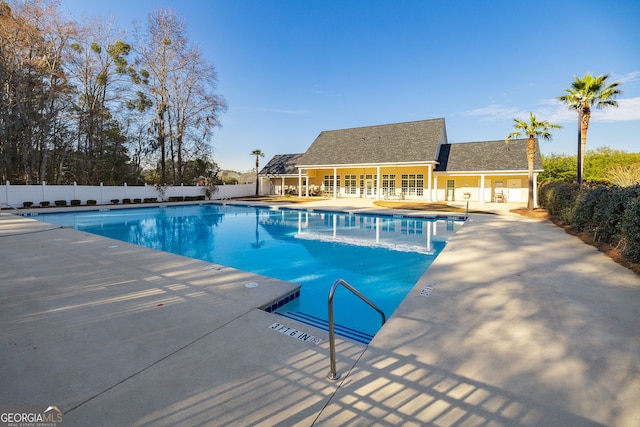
x: 434, y: 207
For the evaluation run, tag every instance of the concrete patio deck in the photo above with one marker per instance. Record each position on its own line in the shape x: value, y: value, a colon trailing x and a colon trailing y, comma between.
x: 525, y: 326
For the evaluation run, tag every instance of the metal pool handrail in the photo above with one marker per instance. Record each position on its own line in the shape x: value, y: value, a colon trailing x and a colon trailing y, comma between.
x: 11, y: 207
x: 332, y: 375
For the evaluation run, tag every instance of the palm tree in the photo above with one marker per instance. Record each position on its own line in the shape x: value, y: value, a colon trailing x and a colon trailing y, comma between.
x: 534, y: 129
x: 258, y: 153
x: 587, y: 92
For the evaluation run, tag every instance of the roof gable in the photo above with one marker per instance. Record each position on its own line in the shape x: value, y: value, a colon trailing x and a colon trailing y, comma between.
x: 281, y: 164
x: 391, y: 143
x: 487, y: 156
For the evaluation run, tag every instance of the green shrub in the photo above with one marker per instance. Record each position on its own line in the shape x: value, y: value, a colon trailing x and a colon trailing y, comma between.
x: 92, y: 202
x: 27, y: 204
x: 60, y: 203
x: 585, y: 202
x: 558, y: 198
x: 631, y: 229
x: 44, y: 204
x: 607, y: 215
x: 76, y: 202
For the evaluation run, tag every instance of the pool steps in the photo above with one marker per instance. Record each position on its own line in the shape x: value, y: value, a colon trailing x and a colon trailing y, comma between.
x: 343, y: 331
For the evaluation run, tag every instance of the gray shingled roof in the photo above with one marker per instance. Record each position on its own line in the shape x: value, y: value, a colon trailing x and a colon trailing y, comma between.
x: 399, y: 142
x: 281, y: 164
x: 487, y: 156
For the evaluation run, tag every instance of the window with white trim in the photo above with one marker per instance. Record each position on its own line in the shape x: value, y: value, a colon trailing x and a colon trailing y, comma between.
x: 350, y: 184
x: 413, y: 184
x: 388, y: 183
x: 328, y: 183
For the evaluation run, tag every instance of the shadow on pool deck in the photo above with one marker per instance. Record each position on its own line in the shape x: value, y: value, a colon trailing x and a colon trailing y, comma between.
x: 526, y: 325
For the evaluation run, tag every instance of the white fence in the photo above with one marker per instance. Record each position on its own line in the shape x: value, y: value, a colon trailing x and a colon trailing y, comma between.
x: 16, y: 195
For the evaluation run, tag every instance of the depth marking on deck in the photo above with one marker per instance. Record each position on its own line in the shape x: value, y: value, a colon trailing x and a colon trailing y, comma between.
x: 302, y: 336
x: 426, y: 291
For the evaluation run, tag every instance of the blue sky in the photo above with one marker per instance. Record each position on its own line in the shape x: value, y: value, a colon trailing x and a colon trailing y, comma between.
x: 290, y: 69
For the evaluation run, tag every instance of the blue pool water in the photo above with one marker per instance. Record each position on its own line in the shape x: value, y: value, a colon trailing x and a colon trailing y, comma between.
x: 382, y: 256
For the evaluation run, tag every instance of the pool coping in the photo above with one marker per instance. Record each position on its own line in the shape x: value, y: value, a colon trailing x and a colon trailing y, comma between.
x: 272, y: 305
x: 376, y: 211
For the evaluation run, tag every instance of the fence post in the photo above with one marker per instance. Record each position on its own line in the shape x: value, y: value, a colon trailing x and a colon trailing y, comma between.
x: 101, y: 196
x: 74, y: 190
x: 44, y: 191
x: 125, y: 191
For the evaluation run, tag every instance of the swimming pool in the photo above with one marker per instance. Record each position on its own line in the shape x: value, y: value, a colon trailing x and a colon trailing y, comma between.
x: 382, y: 256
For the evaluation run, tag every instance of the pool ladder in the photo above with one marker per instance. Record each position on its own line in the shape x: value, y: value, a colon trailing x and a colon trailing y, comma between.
x: 333, y: 375
x: 11, y: 207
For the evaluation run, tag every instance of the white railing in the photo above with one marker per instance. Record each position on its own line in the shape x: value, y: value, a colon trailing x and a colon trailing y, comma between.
x: 16, y: 195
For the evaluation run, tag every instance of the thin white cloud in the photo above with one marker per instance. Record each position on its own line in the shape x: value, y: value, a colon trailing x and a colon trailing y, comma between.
x: 633, y: 76
x: 318, y: 90
x: 628, y: 110
x: 496, y: 112
x: 284, y: 111
x: 554, y: 111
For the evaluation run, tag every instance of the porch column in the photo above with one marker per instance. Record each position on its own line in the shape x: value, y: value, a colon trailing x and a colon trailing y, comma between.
x: 335, y: 183
x: 378, y: 182
x: 300, y: 182
x: 435, y: 185
x: 481, y: 198
x: 535, y: 190
x: 429, y: 196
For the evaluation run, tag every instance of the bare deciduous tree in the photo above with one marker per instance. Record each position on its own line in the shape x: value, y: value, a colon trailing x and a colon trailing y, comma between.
x: 33, y: 36
x: 98, y: 69
x: 160, y: 48
x: 62, y: 89
x: 181, y: 86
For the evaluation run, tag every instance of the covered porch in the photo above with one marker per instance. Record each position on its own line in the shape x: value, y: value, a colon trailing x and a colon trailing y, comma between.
x: 484, y: 187
x: 375, y: 181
